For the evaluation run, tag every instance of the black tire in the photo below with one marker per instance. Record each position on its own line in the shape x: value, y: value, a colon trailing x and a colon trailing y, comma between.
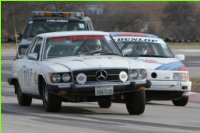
x: 182, y: 101
x: 148, y: 100
x: 51, y: 102
x: 23, y: 99
x: 105, y: 103
x: 135, y: 102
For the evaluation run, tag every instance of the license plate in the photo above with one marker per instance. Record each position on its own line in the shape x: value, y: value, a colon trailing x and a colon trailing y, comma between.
x: 103, y: 90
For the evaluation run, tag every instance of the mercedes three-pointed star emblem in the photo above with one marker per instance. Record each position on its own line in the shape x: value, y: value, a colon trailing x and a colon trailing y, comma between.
x: 101, y: 75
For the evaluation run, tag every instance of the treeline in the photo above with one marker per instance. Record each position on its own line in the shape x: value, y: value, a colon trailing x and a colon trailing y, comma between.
x: 177, y: 22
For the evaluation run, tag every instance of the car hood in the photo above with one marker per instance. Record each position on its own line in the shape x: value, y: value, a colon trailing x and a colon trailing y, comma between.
x: 90, y: 62
x: 163, y: 67
x: 170, y: 64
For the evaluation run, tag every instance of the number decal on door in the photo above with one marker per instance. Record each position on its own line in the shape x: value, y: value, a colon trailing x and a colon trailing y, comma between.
x: 27, y: 76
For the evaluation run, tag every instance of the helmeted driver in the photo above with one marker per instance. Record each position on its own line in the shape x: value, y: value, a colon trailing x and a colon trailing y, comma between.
x: 90, y: 45
x: 141, y: 49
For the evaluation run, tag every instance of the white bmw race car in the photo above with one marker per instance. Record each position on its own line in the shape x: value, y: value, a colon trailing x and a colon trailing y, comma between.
x: 169, y: 76
x: 78, y: 66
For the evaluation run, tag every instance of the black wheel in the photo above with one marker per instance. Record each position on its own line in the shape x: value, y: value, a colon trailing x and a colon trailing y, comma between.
x: 104, y: 103
x: 51, y: 102
x: 182, y: 101
x: 135, y: 102
x: 148, y: 100
x: 23, y: 99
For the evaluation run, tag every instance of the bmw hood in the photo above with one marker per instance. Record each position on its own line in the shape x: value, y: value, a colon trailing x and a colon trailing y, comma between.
x: 160, y: 68
x: 169, y: 64
x: 90, y: 62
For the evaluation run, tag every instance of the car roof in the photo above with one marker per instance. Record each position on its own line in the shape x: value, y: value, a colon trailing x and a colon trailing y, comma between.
x: 71, y: 33
x: 133, y: 34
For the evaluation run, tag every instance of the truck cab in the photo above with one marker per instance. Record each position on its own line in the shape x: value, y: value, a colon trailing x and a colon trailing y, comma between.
x: 45, y: 21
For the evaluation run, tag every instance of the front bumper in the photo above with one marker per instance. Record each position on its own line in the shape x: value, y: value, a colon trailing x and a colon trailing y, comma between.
x: 183, y: 86
x: 89, y: 88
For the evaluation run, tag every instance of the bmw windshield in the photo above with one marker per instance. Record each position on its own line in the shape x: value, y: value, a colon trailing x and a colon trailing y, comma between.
x: 80, y: 46
x: 145, y: 49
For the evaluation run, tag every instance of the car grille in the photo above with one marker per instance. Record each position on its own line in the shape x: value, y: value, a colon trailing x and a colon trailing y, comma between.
x: 112, y: 74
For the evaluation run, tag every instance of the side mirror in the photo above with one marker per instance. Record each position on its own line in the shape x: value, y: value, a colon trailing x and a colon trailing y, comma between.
x: 180, y: 57
x: 19, y: 36
x: 126, y: 52
x: 33, y: 56
x: 22, y: 51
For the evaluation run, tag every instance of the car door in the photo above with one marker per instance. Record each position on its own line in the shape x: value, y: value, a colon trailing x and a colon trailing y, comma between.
x: 31, y: 67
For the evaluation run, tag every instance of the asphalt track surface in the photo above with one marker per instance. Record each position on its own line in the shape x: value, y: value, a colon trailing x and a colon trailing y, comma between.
x: 159, y: 116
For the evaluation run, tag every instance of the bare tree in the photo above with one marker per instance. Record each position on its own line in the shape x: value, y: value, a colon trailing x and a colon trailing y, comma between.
x: 179, y: 21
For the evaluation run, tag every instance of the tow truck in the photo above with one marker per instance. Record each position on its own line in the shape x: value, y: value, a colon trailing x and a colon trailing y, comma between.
x: 47, y: 21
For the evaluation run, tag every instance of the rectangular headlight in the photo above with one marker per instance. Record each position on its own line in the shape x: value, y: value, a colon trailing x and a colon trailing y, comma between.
x: 181, y: 76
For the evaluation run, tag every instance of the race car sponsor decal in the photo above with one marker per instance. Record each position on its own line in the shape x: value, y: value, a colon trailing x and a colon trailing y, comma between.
x: 74, y: 38
x: 149, y: 61
x: 56, y: 20
x: 172, y: 66
x: 135, y: 39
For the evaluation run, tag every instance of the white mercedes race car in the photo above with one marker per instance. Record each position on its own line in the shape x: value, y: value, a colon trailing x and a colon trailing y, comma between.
x: 76, y: 67
x: 169, y: 76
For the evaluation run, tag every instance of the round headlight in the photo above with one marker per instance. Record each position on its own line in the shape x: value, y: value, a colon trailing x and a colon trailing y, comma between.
x: 56, y: 78
x: 133, y: 74
x: 66, y: 77
x: 123, y: 76
x: 142, y: 73
x: 81, y: 78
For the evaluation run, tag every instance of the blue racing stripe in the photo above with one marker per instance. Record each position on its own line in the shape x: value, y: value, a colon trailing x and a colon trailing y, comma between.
x: 170, y: 66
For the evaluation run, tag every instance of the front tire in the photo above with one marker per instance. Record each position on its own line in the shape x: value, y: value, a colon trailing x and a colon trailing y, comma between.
x: 104, y: 103
x: 23, y: 99
x: 51, y: 102
x: 182, y: 101
x: 135, y: 102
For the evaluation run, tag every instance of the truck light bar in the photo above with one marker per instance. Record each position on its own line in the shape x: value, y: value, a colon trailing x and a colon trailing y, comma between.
x: 57, y: 14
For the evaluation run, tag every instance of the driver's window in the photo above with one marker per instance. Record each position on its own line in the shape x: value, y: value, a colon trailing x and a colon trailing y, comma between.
x: 37, y: 46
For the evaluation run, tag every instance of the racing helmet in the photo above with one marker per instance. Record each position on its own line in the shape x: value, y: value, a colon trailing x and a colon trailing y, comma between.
x: 94, y: 45
x: 141, y: 49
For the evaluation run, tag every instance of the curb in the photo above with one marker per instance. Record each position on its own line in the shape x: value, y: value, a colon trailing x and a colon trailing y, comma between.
x: 194, y: 97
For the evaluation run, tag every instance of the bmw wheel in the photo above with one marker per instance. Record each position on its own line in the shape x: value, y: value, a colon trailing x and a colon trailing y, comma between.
x: 182, y: 101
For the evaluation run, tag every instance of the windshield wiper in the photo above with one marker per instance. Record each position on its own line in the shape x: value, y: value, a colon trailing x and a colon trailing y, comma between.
x: 153, y: 56
x: 100, y: 52
x: 108, y: 53
x: 91, y: 52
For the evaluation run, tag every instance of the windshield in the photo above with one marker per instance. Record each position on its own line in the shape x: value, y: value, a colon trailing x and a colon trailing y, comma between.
x: 79, y: 46
x: 145, y: 49
x: 43, y: 26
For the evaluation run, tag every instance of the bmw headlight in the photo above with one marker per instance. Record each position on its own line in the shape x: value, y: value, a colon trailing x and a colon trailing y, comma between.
x: 56, y: 78
x: 180, y: 76
x: 66, y: 77
x: 138, y: 74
